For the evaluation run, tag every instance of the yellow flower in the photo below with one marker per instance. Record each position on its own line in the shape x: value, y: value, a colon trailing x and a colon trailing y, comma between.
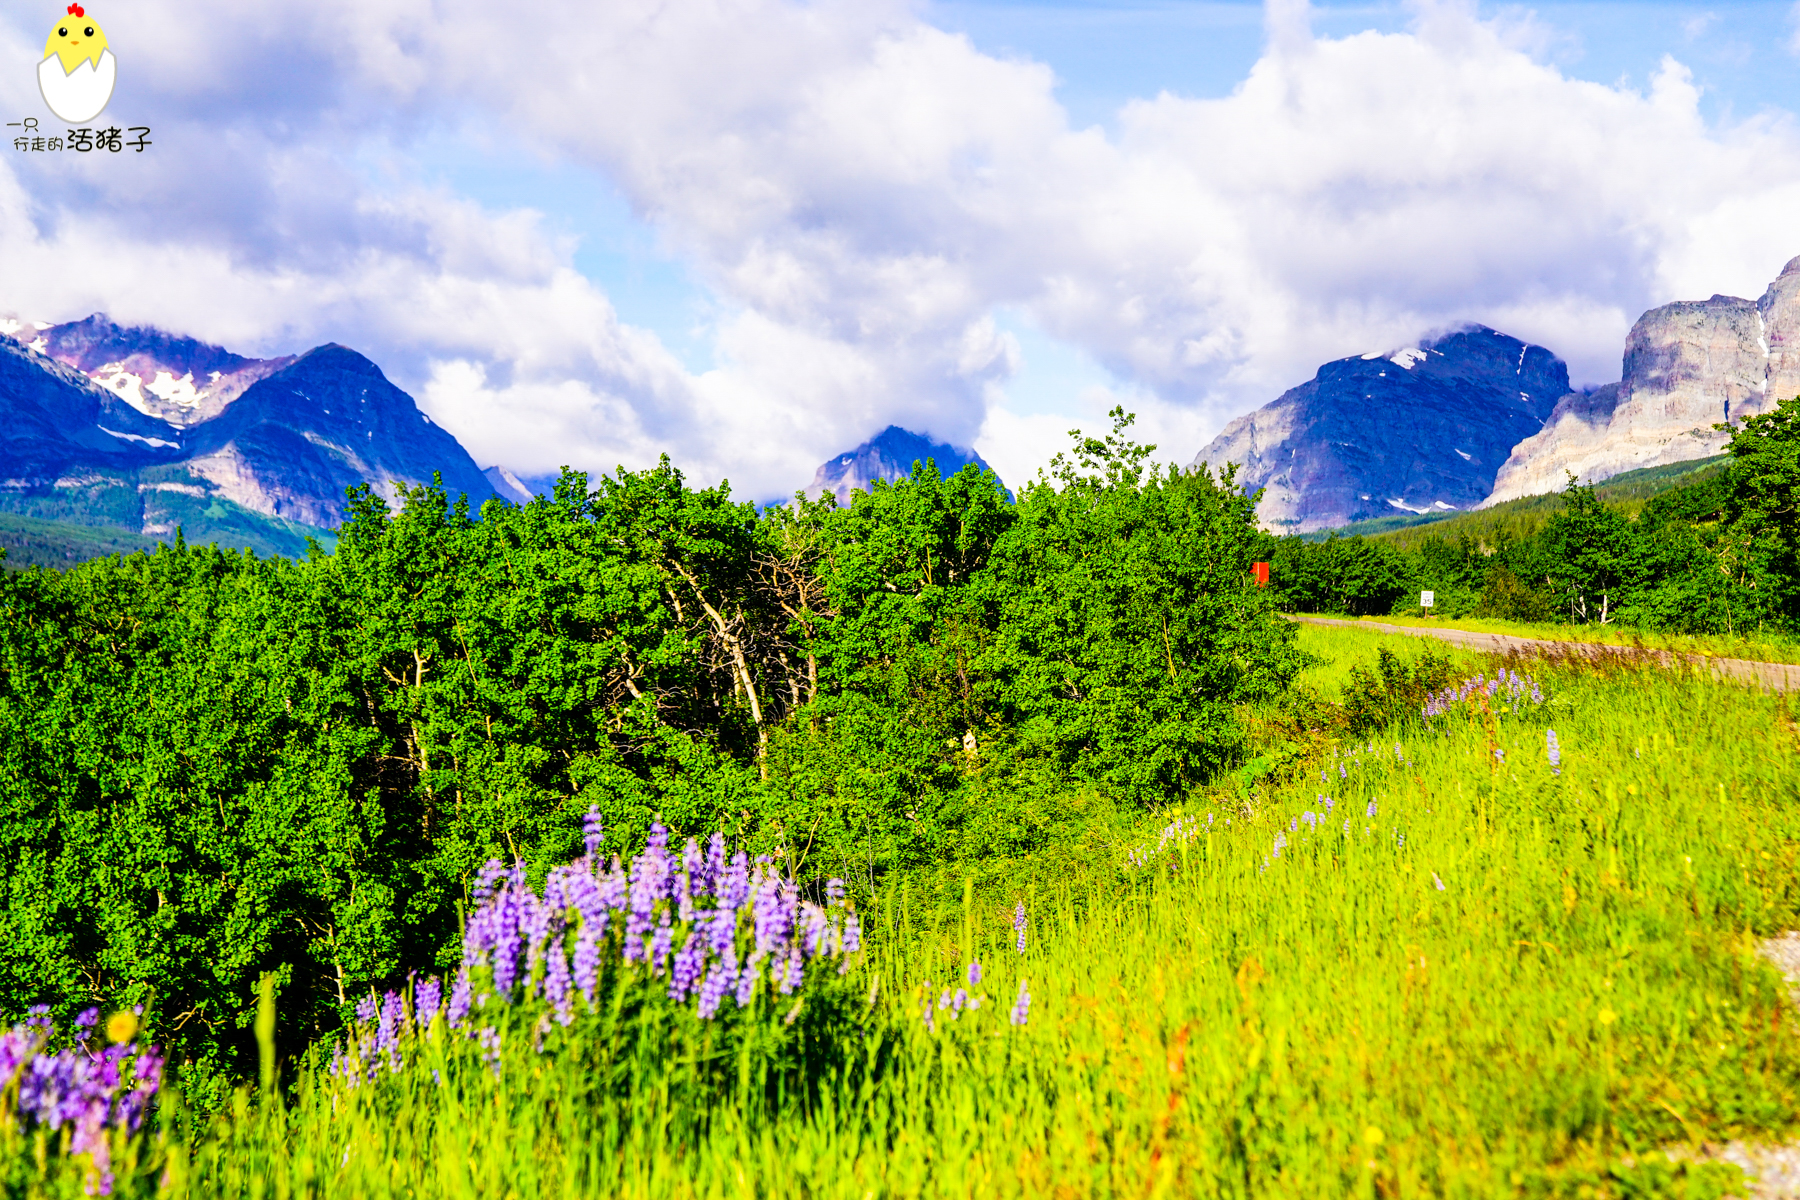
x: 122, y: 1026
x: 1608, y: 1016
x: 1374, y: 1136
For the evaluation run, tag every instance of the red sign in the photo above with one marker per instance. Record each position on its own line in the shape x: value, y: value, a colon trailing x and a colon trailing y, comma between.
x: 1262, y: 573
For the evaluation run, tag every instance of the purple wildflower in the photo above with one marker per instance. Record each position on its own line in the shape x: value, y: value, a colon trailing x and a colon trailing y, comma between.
x: 1554, y: 750
x: 974, y: 972
x: 428, y: 997
x: 1371, y: 810
x: 593, y: 832
x: 1022, y: 1006
x: 1019, y: 923
x: 458, y: 1009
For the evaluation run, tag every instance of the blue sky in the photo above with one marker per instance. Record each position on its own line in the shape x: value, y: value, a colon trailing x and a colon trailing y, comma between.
x: 1107, y: 53
x: 754, y: 232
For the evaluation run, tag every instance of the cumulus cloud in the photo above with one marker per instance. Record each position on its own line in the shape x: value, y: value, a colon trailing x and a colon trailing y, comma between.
x: 861, y: 192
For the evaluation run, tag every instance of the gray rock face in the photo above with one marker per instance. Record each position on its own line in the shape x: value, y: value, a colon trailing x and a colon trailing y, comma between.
x: 1421, y: 430
x: 1688, y: 366
x: 888, y: 455
x: 293, y: 442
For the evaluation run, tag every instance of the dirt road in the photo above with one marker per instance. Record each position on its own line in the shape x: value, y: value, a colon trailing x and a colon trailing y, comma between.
x: 1777, y: 677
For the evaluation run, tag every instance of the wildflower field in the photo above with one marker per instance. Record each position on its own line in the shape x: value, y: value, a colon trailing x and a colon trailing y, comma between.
x: 1504, y: 949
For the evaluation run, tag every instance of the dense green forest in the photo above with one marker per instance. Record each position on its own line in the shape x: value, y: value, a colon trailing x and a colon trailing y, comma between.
x: 1715, y: 554
x: 214, y: 765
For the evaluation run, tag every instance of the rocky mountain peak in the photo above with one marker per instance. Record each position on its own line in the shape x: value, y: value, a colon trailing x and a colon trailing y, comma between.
x: 1420, y: 429
x: 1688, y: 366
x: 888, y: 455
x: 176, y: 379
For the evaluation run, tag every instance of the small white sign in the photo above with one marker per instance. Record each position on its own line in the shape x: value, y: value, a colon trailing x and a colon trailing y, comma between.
x: 1426, y: 599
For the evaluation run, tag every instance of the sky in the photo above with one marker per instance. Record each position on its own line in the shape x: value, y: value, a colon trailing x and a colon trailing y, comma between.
x: 751, y: 234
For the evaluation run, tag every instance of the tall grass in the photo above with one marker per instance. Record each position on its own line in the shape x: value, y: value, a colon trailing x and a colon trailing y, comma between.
x: 1466, y: 975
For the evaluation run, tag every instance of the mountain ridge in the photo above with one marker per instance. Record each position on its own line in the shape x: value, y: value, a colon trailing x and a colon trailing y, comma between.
x: 97, y: 428
x: 1423, y: 428
x: 890, y: 456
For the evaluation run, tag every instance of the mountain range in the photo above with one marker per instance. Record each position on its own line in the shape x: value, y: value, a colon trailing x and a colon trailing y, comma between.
x: 136, y: 430
x: 1475, y: 417
x: 141, y: 430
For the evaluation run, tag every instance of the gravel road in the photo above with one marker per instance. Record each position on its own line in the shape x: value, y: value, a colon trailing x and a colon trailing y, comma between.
x: 1777, y: 677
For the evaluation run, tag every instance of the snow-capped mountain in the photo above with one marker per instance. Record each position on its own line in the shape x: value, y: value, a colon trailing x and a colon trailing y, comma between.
x: 131, y: 428
x: 1422, y: 429
x: 888, y: 455
x: 175, y: 379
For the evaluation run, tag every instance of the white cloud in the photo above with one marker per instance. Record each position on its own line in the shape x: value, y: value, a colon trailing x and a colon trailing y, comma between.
x: 863, y: 192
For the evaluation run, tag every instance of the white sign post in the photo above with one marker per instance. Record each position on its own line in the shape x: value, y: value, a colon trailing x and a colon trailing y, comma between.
x: 1426, y: 599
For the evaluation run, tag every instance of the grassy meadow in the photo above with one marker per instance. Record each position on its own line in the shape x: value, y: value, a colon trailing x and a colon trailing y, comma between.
x: 1420, y: 964
x: 1762, y: 646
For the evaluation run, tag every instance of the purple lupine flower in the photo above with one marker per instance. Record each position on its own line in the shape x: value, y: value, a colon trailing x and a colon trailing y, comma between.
x: 1019, y: 923
x: 457, y: 1011
x: 1280, y: 843
x: 1436, y: 880
x: 492, y: 872
x: 689, y: 962
x: 490, y: 1047
x: 713, y: 989
x: 593, y: 832
x: 689, y: 880
x: 734, y: 888
x: 974, y: 972
x: 387, y: 1030
x: 746, y: 986
x: 1554, y: 750
x: 428, y: 997
x: 587, y: 962
x: 944, y: 1000
x: 1022, y: 1006
x: 1371, y: 810
x: 366, y: 1008
x: 834, y: 891
x: 1342, y: 773
x: 715, y: 865
x: 790, y: 973
x: 557, y: 984
x: 958, y: 1001
x: 661, y: 943
x: 852, y: 935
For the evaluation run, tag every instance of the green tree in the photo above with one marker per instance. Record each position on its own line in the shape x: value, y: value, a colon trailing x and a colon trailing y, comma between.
x: 1593, y: 559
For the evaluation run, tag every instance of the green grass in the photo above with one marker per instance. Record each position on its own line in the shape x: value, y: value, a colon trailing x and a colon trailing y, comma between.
x: 1759, y: 648
x: 1580, y: 993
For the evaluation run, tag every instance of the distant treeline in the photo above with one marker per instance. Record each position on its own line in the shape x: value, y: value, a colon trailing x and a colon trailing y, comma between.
x: 1718, y: 553
x: 214, y: 765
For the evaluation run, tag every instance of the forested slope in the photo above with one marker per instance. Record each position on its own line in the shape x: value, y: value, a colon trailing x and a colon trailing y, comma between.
x: 1717, y: 554
x: 214, y: 765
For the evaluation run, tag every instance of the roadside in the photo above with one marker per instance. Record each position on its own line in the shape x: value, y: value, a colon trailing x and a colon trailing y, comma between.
x: 1779, y: 677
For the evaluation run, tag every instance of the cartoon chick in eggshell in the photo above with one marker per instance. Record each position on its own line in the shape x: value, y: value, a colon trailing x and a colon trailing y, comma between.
x: 78, y: 70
